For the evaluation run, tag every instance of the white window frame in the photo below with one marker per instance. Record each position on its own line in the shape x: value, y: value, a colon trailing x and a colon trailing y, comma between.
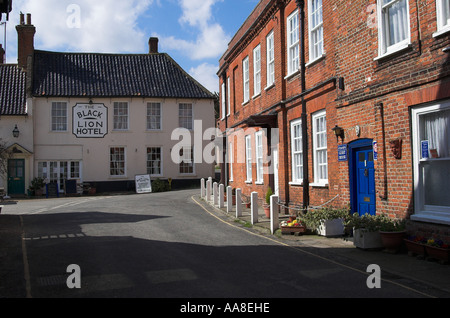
x: 315, y: 30
x: 257, y: 71
x: 296, y: 125
x: 118, y: 116
x: 423, y: 212
x: 44, y: 171
x: 160, y: 174
x: 223, y: 103
x: 59, y: 122
x: 259, y: 157
x: 185, y: 119
x: 442, y: 17
x: 124, y: 174
x: 293, y: 48
x: 385, y: 49
x: 319, y: 180
x: 246, y: 79
x: 248, y: 158
x: 228, y: 97
x: 150, y: 116
x: 231, y: 160
x: 270, y: 40
x: 187, y: 161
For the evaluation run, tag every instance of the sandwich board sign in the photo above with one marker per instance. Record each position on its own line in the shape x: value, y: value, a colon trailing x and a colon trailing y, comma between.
x: 143, y: 184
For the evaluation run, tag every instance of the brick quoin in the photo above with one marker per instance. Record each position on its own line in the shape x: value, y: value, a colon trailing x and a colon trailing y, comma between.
x: 377, y: 96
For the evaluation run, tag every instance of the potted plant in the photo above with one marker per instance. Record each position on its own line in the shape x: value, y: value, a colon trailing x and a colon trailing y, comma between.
x: 415, y: 245
x: 295, y: 227
x: 37, y: 187
x: 366, y: 231
x: 327, y: 222
x: 266, y: 206
x: 392, y: 232
x: 438, y: 250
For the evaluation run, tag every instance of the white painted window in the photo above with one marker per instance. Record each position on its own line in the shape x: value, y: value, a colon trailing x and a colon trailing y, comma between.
x: 59, y: 172
x: 59, y: 116
x: 223, y: 103
x: 293, y: 43
x: 231, y: 160
x: 257, y: 70
x: 431, y: 155
x: 246, y: 74
x: 187, y: 160
x: 393, y: 26
x: 185, y: 116
x: 154, y: 161
x: 248, y: 157
x: 117, y: 162
x: 259, y: 158
x: 228, y: 97
x: 120, y: 116
x: 297, y: 151
x: 315, y: 29
x: 154, y: 117
x: 270, y: 59
x: 320, y: 148
x: 443, y: 16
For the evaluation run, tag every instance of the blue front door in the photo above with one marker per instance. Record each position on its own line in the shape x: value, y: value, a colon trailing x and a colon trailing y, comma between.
x: 365, y: 181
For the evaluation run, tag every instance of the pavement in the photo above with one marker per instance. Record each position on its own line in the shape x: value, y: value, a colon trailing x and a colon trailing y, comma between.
x: 428, y: 276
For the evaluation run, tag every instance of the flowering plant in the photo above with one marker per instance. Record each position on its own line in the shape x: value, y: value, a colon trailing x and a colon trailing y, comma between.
x: 428, y: 241
x: 437, y: 243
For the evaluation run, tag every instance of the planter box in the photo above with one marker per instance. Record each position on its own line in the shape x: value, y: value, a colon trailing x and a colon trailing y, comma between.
x: 330, y: 228
x: 293, y: 230
x: 415, y: 248
x: 437, y: 253
x: 367, y: 240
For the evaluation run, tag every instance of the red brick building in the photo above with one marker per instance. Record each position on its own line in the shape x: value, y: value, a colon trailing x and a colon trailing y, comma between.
x: 360, y: 94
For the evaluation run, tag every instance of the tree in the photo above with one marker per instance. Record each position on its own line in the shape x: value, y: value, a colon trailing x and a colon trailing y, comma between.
x: 4, y: 156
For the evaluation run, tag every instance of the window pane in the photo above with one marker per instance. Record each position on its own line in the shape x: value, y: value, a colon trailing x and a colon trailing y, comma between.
x: 153, y: 116
x: 185, y: 116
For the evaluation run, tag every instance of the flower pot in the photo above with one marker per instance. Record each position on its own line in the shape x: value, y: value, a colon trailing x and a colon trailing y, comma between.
x: 367, y: 240
x: 248, y: 205
x: 415, y: 248
x: 438, y: 253
x: 296, y: 230
x: 267, y: 210
x: 392, y: 241
x: 330, y: 228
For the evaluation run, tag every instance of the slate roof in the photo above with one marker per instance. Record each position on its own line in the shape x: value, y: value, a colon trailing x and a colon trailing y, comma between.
x: 12, y: 90
x: 112, y: 75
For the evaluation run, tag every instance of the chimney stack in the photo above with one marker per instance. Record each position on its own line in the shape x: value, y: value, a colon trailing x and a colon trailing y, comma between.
x: 25, y: 35
x: 153, y: 45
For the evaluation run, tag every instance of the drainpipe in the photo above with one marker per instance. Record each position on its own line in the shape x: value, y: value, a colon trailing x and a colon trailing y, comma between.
x: 224, y: 175
x: 301, y: 7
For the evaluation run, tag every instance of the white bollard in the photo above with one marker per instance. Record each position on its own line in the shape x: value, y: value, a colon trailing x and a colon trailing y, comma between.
x: 215, y: 193
x: 274, y: 217
x: 238, y: 203
x: 208, y: 191
x: 229, y: 199
x: 221, y: 194
x: 202, y: 188
x: 254, y: 207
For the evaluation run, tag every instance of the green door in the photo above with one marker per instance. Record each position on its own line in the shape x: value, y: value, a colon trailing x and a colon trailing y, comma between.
x: 16, y: 176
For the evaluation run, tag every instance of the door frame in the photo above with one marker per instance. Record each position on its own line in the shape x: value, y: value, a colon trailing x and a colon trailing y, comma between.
x: 353, y: 147
x: 23, y: 178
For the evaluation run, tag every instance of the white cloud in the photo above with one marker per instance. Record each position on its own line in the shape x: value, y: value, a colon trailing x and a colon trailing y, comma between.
x: 211, y: 41
x: 205, y: 74
x: 105, y: 25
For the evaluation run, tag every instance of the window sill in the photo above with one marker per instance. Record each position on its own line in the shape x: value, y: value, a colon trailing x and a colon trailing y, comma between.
x: 256, y: 96
x: 295, y: 183
x: 442, y: 31
x: 315, y: 61
x: 259, y: 182
x: 394, y: 51
x: 429, y: 217
x: 288, y: 77
x: 319, y: 185
x: 249, y: 181
x: 269, y: 87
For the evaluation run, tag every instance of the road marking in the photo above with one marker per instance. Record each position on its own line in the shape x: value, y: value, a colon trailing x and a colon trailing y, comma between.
x: 26, y: 266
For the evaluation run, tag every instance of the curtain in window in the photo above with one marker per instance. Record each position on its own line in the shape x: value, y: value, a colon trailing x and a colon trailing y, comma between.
x: 436, y: 129
x: 396, y: 19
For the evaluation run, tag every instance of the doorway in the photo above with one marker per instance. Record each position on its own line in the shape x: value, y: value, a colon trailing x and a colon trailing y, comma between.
x: 16, y: 176
x: 362, y: 177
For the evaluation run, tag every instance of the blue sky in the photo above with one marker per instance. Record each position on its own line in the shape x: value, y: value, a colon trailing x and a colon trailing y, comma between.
x: 195, y: 33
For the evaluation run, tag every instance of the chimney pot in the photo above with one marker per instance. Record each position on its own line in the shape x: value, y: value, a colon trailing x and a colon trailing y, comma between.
x: 153, y: 45
x: 2, y: 55
x: 29, y: 18
x: 22, y: 19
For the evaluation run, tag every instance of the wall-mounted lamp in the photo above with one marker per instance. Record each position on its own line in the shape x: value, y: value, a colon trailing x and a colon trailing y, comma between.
x: 16, y: 132
x: 339, y: 132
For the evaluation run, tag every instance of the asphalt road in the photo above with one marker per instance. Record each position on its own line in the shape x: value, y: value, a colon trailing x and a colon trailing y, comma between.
x: 161, y: 245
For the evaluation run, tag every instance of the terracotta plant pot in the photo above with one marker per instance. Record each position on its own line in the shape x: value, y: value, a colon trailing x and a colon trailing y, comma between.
x: 267, y: 210
x: 438, y: 253
x: 392, y: 241
x: 415, y: 248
